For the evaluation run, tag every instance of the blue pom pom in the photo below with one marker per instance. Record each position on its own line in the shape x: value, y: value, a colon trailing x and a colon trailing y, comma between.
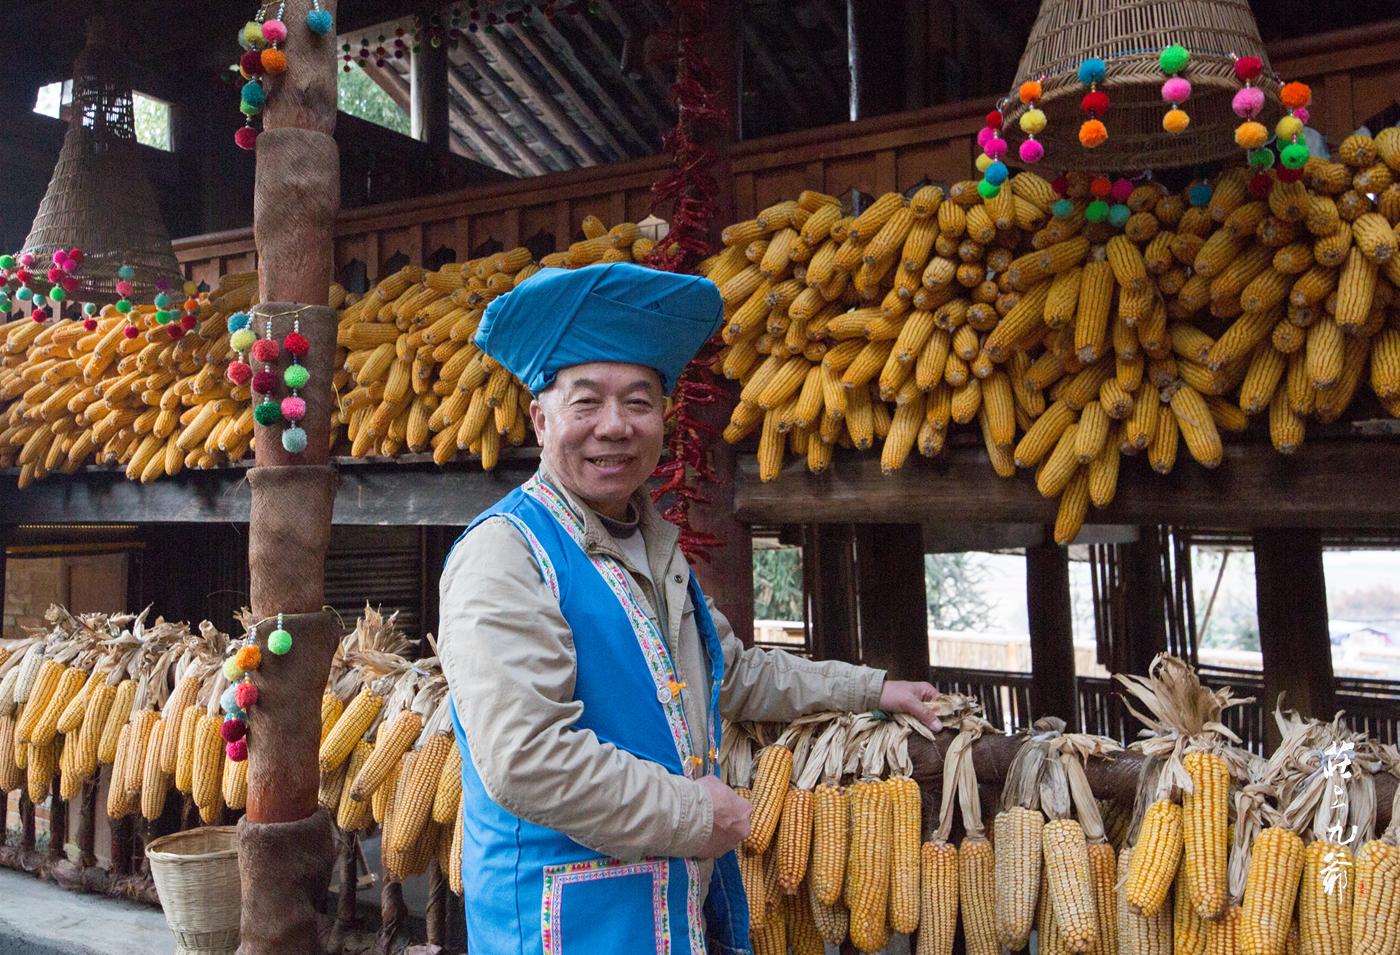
x: 1092, y: 70
x: 127, y: 272
x: 294, y: 440
x: 319, y: 21
x: 1118, y: 215
x: 1062, y: 208
x: 1199, y: 195
x: 237, y: 322
x: 996, y: 173
x: 228, y: 702
x: 254, y: 96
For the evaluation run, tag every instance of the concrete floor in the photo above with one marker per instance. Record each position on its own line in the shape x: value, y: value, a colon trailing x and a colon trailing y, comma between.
x: 39, y: 918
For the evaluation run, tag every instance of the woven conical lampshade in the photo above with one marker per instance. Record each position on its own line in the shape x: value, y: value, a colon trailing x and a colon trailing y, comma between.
x: 1128, y: 35
x: 99, y: 199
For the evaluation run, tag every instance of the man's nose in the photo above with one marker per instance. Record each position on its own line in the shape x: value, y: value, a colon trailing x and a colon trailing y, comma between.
x: 612, y: 423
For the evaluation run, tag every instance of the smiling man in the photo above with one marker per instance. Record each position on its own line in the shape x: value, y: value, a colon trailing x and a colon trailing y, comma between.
x: 588, y: 671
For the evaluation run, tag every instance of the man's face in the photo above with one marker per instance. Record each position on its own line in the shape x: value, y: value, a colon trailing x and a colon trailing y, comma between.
x: 600, y: 427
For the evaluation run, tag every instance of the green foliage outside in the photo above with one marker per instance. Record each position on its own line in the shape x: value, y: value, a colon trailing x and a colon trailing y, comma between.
x: 363, y: 97
x: 151, y: 118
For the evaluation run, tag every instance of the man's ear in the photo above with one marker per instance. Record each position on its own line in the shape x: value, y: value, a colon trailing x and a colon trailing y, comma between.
x: 537, y: 419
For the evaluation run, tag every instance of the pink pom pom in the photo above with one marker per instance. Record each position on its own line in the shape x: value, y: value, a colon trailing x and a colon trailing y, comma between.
x: 1121, y: 190
x: 233, y: 730
x: 1031, y: 151
x: 246, y: 695
x: 237, y: 751
x: 1176, y: 90
x: 26, y: 259
x: 239, y: 372
x: 131, y: 331
x: 265, y: 349
x: 293, y: 408
x: 985, y: 135
x: 59, y: 256
x: 246, y: 137
x: 1248, y: 102
x: 996, y: 147
x: 1302, y: 113
x: 274, y: 31
x: 125, y: 288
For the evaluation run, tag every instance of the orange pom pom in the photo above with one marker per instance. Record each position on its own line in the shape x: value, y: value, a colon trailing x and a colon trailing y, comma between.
x: 248, y: 658
x: 274, y: 61
x: 1251, y: 135
x: 1030, y: 91
x: 1092, y: 133
x: 1175, y: 121
x: 1295, y: 95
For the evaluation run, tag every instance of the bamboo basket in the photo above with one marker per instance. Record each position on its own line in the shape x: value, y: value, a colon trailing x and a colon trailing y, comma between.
x: 196, y: 876
x: 1128, y: 35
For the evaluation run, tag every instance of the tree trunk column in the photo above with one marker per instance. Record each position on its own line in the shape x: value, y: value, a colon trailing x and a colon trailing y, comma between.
x: 285, y: 842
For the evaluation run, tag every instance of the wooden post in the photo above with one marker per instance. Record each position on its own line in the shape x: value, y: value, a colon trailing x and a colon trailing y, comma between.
x: 285, y: 842
x: 1143, y: 603
x: 58, y: 825
x: 1291, y: 596
x: 876, y: 64
x: 87, y: 826
x: 890, y: 599
x: 828, y: 586
x: 435, y: 914
x: 1052, y: 633
x: 428, y: 101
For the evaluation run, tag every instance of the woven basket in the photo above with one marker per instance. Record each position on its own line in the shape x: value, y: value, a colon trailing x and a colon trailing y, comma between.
x: 196, y: 876
x: 99, y: 198
x: 1128, y: 35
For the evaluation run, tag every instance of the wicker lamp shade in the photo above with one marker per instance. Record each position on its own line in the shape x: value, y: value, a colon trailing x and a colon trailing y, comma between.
x: 1128, y: 35
x: 99, y: 198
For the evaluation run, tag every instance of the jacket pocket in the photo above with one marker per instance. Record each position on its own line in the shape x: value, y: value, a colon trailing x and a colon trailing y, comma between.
x: 605, y: 906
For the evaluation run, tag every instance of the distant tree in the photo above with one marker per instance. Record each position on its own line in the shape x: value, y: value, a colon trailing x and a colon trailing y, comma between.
x: 363, y: 97
x: 777, y: 583
x: 952, y: 590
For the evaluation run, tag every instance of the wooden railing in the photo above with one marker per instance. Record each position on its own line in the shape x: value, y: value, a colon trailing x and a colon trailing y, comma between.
x: 1354, y: 75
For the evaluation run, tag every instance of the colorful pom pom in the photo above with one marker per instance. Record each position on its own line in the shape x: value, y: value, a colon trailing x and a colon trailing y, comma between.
x: 265, y: 349
x: 982, y: 162
x: 263, y: 382
x: 1096, y: 211
x: 58, y: 293
x: 1092, y: 70
x: 1093, y: 133
x: 1122, y: 189
x: 1295, y: 95
x: 1289, y: 175
x: 293, y: 408
x: 228, y: 700
x: 1032, y: 121
x: 987, y: 189
x: 279, y: 642
x: 131, y: 331
x: 7, y: 262
x: 1061, y: 208
x: 237, y: 751
x: 1289, y: 127
x: 175, y: 331
x: 1259, y: 184
x: 1247, y: 102
x: 996, y: 173
x: 245, y: 694
x: 1251, y: 135
x: 242, y: 340
x: 296, y: 376
x: 238, y: 321
x: 90, y: 324
x: 1294, y: 156
x: 319, y: 21
x: 1176, y: 90
x: 252, y: 35
x: 163, y: 316
x: 188, y: 322
x: 1094, y: 103
x: 233, y: 729
x: 296, y: 344
x: 996, y: 147
x: 1118, y: 215
x: 1199, y: 194
x: 238, y: 373
x: 1060, y: 184
x: 250, y: 62
x: 274, y: 31
x: 294, y: 440
x: 125, y: 288
x: 1175, y: 121
x: 993, y: 119
x: 1248, y: 68
x: 253, y: 94
x: 248, y: 658
x: 274, y: 62
x: 1302, y: 113
x: 985, y: 135
x: 231, y: 671
x: 1029, y: 91
x: 267, y: 413
x: 1173, y: 59
x: 1031, y: 151
x: 246, y: 137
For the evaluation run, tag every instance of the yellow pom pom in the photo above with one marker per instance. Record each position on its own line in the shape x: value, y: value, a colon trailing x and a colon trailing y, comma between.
x: 1251, y: 135
x: 1032, y: 121
x: 1175, y: 121
x: 1288, y: 127
x: 983, y: 161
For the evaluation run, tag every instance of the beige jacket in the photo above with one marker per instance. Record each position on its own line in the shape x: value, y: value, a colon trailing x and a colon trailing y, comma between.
x: 509, y: 659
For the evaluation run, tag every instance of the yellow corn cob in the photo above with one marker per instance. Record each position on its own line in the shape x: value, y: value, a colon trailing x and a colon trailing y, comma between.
x: 70, y: 682
x: 977, y: 895
x: 1071, y: 890
x: 1286, y: 428
x: 155, y: 783
x: 1356, y: 286
x: 1325, y: 901
x: 353, y: 815
x: 395, y: 738
x: 1222, y: 934
x: 72, y: 716
x: 1161, y: 451
x: 351, y: 725
x: 235, y: 783
x: 118, y: 803
x: 208, y: 764
x: 938, y: 898
x: 1188, y: 928
x: 89, y: 734
x: 413, y: 806
x: 36, y: 703
x: 771, y: 778
x: 1018, y: 832
x: 1325, y: 347
x: 1155, y: 858
x: 868, y: 868
x: 1049, y: 939
x: 830, y: 843
x: 1103, y: 874
x: 1375, y: 914
x: 183, y: 696
x: 1275, y: 866
x: 448, y: 795
x: 185, y: 748
x: 1139, y: 934
x: 906, y: 822
x: 794, y: 839
x: 328, y: 790
x: 40, y: 769
x: 143, y: 726
x: 1197, y: 426
x: 1205, y: 818
x: 751, y: 874
x: 117, y: 716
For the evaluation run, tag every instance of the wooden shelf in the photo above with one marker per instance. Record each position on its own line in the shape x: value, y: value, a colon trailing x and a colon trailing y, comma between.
x: 1328, y: 483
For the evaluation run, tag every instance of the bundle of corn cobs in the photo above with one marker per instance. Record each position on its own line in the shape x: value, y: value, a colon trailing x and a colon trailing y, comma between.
x: 408, y: 377
x: 1067, y: 342
x: 1225, y: 854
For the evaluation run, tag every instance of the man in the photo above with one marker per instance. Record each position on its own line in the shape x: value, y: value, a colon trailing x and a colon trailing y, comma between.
x: 587, y: 670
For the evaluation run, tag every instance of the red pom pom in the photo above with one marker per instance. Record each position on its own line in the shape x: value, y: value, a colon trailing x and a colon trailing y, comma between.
x: 1260, y: 184
x: 239, y: 372
x: 53, y: 275
x: 188, y: 322
x: 175, y: 331
x: 90, y: 324
x: 233, y: 730
x: 131, y: 331
x: 237, y: 751
x: 263, y: 382
x: 265, y: 349
x: 1248, y: 68
x: 296, y: 344
x: 994, y: 119
x: 1094, y: 103
x: 1060, y: 184
x: 22, y: 276
x: 250, y: 63
x: 76, y: 254
x: 1288, y: 175
x: 70, y: 284
x: 246, y: 137
x: 1122, y: 189
x: 1100, y: 187
x: 245, y: 695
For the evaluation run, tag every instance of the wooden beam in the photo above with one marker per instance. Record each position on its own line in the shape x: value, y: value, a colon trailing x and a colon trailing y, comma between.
x: 791, y: 94
x: 1051, y: 620
x: 391, y: 82
x: 890, y: 599
x: 828, y: 586
x: 826, y: 89
x: 1144, y: 603
x: 1254, y: 487
x: 515, y: 71
x: 636, y: 34
x: 609, y: 58
x: 528, y: 157
x: 1291, y: 599
x: 556, y: 71
x: 428, y: 107
x: 468, y: 53
x: 483, y: 144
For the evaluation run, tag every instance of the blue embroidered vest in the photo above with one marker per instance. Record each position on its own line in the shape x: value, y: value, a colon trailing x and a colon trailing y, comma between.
x: 529, y: 889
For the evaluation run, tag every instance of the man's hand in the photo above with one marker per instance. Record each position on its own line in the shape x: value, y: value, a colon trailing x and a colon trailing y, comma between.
x: 731, y: 814
x: 904, y: 696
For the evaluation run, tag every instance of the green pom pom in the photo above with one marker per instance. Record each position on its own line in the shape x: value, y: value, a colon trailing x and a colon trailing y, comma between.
x: 1295, y: 156
x: 1097, y: 211
x: 267, y: 413
x: 1118, y: 215
x: 242, y: 340
x: 987, y: 189
x: 279, y: 642
x: 7, y: 261
x: 1062, y: 208
x: 1174, y: 59
x: 123, y: 305
x: 57, y: 294
x: 163, y: 317
x: 231, y: 670
x: 296, y: 376
x: 1262, y: 158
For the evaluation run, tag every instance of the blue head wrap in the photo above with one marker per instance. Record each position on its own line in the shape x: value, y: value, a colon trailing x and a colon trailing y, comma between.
x: 616, y: 312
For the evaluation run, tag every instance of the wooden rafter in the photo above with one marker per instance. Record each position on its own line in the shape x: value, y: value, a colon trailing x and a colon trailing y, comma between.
x: 477, y: 105
x: 764, y: 58
x: 515, y: 71
x: 660, y: 80
x: 827, y: 89
x: 469, y: 55
x: 609, y: 58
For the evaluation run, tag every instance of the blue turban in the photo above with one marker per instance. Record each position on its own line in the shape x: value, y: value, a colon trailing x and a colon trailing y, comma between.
x: 615, y: 312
